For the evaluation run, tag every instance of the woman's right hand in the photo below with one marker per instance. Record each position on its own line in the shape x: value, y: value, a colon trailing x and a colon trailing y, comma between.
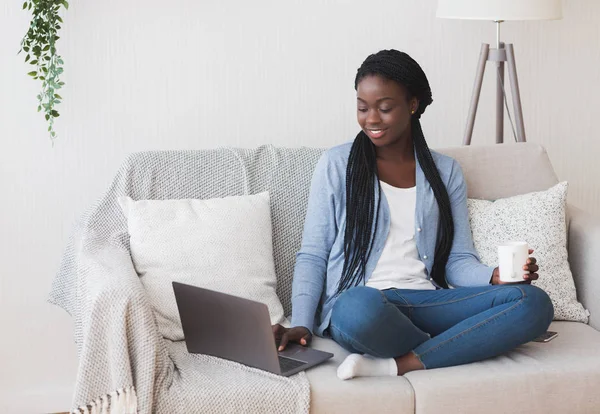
x: 298, y: 334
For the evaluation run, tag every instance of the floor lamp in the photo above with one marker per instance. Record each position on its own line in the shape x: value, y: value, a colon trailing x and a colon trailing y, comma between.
x: 498, y: 11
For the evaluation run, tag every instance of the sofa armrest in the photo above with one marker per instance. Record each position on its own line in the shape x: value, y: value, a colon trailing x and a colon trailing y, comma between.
x: 583, y: 247
x: 118, y: 340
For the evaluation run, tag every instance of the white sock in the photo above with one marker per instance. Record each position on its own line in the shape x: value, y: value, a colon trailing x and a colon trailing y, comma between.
x: 356, y: 365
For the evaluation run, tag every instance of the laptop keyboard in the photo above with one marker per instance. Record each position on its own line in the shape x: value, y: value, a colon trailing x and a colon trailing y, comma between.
x: 288, y: 364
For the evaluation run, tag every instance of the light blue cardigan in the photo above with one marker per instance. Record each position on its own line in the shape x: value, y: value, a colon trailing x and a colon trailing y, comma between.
x: 320, y: 260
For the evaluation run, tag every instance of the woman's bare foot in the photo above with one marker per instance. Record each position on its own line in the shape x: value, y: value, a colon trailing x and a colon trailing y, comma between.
x: 408, y: 362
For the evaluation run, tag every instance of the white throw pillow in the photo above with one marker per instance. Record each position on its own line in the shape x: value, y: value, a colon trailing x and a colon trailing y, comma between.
x: 539, y: 219
x: 222, y: 244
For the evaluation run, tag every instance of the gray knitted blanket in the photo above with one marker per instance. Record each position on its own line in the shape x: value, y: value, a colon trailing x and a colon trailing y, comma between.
x: 125, y: 365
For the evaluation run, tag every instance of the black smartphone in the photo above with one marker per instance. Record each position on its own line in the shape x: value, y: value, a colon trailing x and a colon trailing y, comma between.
x: 546, y: 337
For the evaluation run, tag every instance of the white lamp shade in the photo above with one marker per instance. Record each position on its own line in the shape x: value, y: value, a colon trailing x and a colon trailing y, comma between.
x: 500, y: 9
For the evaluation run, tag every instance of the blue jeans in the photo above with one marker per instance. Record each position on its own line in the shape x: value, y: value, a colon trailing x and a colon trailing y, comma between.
x: 442, y: 327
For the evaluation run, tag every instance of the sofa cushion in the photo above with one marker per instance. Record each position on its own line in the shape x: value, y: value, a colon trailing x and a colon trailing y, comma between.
x: 498, y: 171
x: 215, y: 173
x: 560, y: 376
x: 330, y: 395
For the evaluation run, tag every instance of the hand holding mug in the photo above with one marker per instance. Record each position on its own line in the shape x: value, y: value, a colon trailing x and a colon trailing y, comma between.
x: 514, y: 261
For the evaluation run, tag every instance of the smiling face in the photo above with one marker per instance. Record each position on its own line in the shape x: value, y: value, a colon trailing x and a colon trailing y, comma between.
x: 384, y: 110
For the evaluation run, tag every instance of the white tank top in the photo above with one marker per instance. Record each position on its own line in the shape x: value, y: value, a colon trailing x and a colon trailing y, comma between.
x: 399, y: 266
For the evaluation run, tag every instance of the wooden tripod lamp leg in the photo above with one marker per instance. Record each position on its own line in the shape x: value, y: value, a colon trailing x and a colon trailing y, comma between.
x: 483, y: 57
x: 499, y: 97
x: 516, y: 95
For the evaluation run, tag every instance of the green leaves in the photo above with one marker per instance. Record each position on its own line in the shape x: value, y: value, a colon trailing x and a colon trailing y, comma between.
x: 39, y: 43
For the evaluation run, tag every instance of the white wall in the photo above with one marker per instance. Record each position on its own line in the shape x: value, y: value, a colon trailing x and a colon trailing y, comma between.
x: 186, y: 74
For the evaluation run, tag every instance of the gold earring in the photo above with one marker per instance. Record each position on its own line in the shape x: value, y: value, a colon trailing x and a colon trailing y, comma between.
x: 412, y: 112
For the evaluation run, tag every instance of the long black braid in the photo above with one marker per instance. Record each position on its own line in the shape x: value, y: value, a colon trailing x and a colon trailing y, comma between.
x: 362, y: 211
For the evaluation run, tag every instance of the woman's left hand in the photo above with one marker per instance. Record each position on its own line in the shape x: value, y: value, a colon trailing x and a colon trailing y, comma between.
x: 531, y: 267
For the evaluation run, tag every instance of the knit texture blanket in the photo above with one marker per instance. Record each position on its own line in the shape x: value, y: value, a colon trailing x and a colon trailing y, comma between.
x: 125, y: 366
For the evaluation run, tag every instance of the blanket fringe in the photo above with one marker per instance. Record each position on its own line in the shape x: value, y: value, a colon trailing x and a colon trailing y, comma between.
x: 121, y: 401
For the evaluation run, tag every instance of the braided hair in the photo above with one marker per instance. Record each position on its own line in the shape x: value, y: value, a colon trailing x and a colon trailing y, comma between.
x: 362, y: 212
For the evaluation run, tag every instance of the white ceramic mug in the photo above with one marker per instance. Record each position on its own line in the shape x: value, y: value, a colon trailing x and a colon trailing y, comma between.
x: 512, y: 256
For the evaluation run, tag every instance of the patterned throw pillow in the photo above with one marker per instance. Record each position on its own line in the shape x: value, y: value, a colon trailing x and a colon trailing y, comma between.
x: 539, y: 219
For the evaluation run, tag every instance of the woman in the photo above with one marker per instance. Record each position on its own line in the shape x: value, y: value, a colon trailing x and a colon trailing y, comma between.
x: 387, y: 232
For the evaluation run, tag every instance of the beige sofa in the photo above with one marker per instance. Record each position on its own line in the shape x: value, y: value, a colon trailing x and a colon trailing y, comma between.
x: 561, y: 376
x: 119, y: 344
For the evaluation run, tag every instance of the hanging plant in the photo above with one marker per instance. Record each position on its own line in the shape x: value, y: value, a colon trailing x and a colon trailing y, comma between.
x: 39, y: 44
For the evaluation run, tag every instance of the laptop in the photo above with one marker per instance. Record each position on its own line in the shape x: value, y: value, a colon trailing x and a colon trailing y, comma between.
x: 239, y: 330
